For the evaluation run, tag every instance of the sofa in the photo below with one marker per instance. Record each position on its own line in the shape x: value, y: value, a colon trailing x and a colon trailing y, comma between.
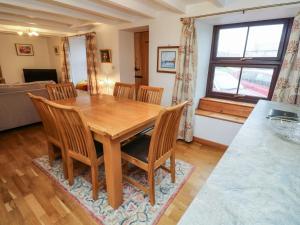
x: 16, y: 108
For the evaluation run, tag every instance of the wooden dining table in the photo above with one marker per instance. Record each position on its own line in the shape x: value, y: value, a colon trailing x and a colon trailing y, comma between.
x: 113, y: 120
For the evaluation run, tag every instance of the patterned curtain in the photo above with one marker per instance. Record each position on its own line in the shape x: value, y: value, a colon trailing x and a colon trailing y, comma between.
x: 184, y: 88
x: 287, y: 89
x: 65, y: 60
x: 92, y: 63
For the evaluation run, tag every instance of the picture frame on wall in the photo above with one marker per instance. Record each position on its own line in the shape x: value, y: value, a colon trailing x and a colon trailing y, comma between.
x: 56, y: 50
x: 24, y: 49
x: 166, y: 59
x: 105, y: 55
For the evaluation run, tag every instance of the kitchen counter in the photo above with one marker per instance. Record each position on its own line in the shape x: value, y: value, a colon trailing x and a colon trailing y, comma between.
x: 257, y: 181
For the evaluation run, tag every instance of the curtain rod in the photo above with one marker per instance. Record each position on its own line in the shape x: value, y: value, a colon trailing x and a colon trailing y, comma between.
x: 243, y: 10
x: 79, y: 35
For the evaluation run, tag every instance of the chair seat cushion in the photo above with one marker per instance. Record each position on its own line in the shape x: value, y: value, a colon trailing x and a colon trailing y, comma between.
x: 99, y: 149
x: 138, y: 148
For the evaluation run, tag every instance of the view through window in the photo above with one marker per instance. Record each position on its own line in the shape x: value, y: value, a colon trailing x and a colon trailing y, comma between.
x: 246, y: 59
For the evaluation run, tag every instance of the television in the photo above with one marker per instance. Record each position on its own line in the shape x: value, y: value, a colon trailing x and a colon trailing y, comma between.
x: 31, y: 75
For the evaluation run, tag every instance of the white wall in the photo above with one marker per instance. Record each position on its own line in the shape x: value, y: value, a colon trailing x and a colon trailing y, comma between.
x: 54, y: 58
x: 12, y: 65
x: 126, y: 56
x: 108, y: 38
x: 163, y: 32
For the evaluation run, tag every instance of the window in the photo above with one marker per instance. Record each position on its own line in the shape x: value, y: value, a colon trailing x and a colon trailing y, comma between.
x: 246, y: 59
x: 78, y: 59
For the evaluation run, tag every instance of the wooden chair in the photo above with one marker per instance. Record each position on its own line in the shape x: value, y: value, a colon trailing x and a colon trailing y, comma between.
x: 61, y: 91
x: 149, y: 94
x: 50, y: 129
x: 124, y: 90
x: 150, y: 153
x: 78, y: 142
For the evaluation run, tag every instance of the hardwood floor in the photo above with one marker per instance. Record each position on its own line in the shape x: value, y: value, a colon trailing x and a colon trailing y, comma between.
x: 27, y: 195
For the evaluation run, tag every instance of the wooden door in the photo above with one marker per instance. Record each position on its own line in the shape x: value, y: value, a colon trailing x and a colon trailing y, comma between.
x: 141, y: 49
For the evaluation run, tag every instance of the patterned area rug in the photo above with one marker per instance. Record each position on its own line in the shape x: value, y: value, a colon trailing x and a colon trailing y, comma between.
x: 136, y: 208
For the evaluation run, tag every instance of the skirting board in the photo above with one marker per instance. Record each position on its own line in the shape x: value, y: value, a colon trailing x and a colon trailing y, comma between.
x: 210, y: 143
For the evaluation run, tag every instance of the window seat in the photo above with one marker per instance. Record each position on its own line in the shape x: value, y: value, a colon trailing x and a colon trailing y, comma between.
x: 227, y: 110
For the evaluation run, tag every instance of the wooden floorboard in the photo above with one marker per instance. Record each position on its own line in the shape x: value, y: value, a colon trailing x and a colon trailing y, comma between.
x: 27, y: 195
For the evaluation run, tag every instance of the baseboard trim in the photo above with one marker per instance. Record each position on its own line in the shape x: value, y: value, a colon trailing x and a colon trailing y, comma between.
x: 210, y: 143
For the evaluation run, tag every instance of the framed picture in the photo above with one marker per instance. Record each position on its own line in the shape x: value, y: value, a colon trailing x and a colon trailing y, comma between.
x: 105, y: 55
x: 24, y: 49
x: 166, y: 59
x: 56, y: 50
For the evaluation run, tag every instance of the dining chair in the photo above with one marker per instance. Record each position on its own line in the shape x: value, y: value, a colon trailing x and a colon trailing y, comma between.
x: 150, y: 94
x: 61, y: 91
x: 151, y: 152
x: 124, y: 90
x: 51, y: 130
x: 78, y: 142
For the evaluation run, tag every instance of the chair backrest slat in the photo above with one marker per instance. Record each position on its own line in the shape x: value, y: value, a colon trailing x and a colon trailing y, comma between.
x: 149, y: 94
x: 165, y: 132
x: 74, y: 130
x: 61, y: 91
x: 124, y: 90
x: 46, y: 117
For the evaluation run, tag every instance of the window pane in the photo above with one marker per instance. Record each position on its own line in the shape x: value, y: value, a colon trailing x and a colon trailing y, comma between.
x: 232, y: 42
x: 256, y: 82
x: 263, y: 41
x: 226, y: 79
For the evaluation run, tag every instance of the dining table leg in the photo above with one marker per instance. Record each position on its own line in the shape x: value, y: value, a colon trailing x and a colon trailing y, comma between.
x: 113, y: 171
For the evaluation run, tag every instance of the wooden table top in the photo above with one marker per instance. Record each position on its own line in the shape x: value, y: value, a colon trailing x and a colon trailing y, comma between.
x: 113, y: 116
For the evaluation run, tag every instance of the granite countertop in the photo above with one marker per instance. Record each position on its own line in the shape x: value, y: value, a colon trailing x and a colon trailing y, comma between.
x: 257, y: 181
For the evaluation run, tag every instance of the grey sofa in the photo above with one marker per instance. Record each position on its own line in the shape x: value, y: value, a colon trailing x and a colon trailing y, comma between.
x: 16, y: 108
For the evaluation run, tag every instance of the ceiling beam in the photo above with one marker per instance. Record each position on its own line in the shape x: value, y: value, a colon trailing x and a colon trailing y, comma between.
x: 14, y: 29
x: 24, y: 25
x: 135, y: 6
x: 32, y: 22
x: 40, y: 15
x: 220, y: 3
x: 177, y: 6
x: 98, y: 9
x: 50, y: 8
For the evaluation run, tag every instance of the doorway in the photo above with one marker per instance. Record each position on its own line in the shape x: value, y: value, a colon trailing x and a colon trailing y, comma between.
x: 141, y: 55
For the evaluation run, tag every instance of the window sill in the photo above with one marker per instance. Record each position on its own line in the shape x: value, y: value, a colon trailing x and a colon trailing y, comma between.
x: 221, y: 116
x: 231, y: 111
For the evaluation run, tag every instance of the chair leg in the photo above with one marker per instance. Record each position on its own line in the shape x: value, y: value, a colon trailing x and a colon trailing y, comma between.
x: 172, y: 167
x: 125, y: 167
x: 95, y: 185
x: 70, y: 170
x: 65, y: 164
x: 151, y: 183
x: 51, y: 153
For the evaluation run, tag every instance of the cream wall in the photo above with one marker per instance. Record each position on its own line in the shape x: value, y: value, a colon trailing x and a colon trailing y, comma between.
x: 108, y: 38
x: 126, y: 56
x: 12, y: 65
x: 54, y: 59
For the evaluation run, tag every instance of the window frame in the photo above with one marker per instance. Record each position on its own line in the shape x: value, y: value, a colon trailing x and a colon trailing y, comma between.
x: 251, y: 62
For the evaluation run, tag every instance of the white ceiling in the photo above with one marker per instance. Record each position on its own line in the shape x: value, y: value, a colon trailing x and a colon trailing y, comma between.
x: 66, y: 17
